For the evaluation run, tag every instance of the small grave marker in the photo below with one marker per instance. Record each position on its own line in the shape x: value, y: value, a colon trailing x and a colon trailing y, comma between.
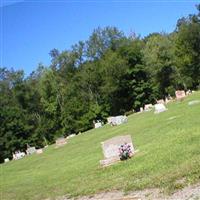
x: 6, y: 160
x: 61, y: 142
x: 160, y: 101
x: 180, y: 94
x: 18, y: 155
x: 30, y: 150
x: 39, y: 151
x: 98, y: 125
x: 114, y: 121
x: 159, y: 108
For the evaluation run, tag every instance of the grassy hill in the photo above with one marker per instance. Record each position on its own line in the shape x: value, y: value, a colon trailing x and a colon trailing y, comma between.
x: 168, y: 158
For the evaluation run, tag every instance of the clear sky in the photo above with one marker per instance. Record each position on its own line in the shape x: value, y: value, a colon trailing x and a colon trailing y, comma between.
x: 30, y: 29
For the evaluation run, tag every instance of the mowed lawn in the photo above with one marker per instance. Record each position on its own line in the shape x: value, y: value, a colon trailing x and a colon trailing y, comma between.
x: 168, y: 158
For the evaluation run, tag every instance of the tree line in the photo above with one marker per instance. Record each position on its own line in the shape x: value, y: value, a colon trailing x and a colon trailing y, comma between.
x: 107, y: 75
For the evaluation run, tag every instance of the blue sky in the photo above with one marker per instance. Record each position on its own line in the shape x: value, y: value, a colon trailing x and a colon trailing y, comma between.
x: 30, y: 29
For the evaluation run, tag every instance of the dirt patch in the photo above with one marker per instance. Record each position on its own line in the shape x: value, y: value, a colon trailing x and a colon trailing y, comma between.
x: 187, y: 193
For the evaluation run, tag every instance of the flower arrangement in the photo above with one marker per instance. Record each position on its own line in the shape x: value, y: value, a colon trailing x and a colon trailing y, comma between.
x: 125, y: 151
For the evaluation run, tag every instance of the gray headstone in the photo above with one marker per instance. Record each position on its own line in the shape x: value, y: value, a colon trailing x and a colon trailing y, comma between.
x: 160, y: 108
x: 30, y: 150
x: 117, y: 120
x: 98, y: 125
x: 6, y: 160
x: 111, y: 149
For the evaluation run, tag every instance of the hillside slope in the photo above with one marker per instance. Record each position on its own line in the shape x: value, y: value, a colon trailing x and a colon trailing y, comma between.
x: 168, y: 158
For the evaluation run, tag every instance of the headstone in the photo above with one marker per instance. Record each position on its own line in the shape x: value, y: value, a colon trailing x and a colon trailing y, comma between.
x: 70, y: 136
x: 114, y: 121
x: 141, y: 109
x: 188, y: 92
x: 98, y: 125
x: 160, y: 101
x: 6, y: 160
x: 61, y: 142
x: 39, y: 151
x: 111, y: 149
x: 18, y: 155
x: 110, y: 119
x: 159, y: 108
x: 180, y: 94
x: 148, y: 107
x: 30, y: 150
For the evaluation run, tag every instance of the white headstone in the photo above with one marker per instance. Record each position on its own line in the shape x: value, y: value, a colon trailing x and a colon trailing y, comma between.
x: 117, y: 120
x: 70, y: 136
x: 39, y: 151
x: 160, y: 101
x: 160, y: 108
x: 148, y: 107
x: 98, y: 125
x: 18, y: 155
x: 6, y: 160
x: 30, y: 150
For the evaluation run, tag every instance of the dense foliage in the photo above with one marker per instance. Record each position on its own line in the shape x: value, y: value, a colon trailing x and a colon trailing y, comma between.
x: 109, y: 74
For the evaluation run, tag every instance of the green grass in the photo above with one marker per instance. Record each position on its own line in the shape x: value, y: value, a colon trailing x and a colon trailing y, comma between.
x: 168, y: 158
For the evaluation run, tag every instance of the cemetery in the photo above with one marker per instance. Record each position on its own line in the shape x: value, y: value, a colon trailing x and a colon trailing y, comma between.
x: 94, y: 160
x: 100, y: 100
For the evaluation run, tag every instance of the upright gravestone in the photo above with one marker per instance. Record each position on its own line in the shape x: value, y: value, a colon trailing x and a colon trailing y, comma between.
x: 61, y: 142
x: 98, y: 125
x: 111, y: 149
x: 6, y: 160
x: 161, y: 101
x: 39, y: 151
x: 148, y: 107
x: 159, y: 108
x: 117, y: 120
x: 180, y: 94
x: 30, y: 150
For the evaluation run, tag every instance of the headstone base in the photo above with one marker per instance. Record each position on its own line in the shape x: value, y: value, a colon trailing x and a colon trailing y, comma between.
x: 110, y: 161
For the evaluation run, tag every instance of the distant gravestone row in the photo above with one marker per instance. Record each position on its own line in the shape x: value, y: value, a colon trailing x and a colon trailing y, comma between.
x: 18, y: 154
x: 160, y: 105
